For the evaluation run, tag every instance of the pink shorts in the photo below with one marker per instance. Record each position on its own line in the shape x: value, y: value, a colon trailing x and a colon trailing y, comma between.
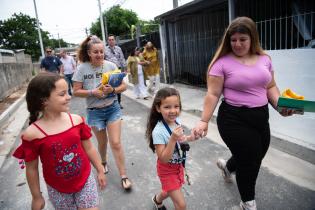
x: 171, y: 175
x: 86, y: 198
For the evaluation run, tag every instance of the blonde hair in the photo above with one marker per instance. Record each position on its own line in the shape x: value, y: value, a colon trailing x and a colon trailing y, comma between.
x: 243, y: 25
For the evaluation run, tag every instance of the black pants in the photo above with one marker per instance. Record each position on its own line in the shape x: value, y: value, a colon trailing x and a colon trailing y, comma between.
x: 246, y: 132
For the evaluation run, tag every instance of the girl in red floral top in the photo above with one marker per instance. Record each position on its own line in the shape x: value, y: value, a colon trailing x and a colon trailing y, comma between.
x: 61, y: 140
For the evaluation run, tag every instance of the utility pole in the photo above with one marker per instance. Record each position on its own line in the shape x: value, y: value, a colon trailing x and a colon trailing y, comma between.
x: 39, y: 33
x: 58, y: 37
x: 106, y: 31
x: 102, y: 22
x: 59, y: 41
x: 138, y: 34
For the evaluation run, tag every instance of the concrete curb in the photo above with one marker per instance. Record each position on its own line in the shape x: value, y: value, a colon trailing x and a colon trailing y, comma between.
x: 12, y: 108
x: 12, y: 122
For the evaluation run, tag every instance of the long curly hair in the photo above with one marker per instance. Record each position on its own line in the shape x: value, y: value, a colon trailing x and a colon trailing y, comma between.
x: 154, y: 115
x: 38, y: 90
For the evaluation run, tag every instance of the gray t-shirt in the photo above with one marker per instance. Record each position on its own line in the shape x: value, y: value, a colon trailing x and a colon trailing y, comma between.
x: 91, y: 78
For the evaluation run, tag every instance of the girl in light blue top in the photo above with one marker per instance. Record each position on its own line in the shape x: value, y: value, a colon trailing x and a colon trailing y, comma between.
x: 164, y: 135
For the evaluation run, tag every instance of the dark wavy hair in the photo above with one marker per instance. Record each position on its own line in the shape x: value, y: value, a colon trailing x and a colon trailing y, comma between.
x: 38, y: 91
x: 154, y: 115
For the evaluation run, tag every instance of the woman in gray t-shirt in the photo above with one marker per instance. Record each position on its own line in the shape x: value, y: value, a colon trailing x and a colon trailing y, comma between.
x: 103, y: 110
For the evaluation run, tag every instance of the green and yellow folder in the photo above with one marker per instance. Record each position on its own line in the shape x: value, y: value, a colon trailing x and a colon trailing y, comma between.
x: 299, y: 106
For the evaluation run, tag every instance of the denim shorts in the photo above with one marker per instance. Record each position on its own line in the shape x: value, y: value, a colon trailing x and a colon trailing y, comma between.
x: 100, y: 117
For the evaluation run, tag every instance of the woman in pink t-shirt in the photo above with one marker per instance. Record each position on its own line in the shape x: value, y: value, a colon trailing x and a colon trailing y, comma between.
x: 243, y: 73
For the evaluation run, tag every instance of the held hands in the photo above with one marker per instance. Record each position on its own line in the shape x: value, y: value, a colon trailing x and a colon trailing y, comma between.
x: 38, y: 203
x: 200, y: 130
x: 178, y: 135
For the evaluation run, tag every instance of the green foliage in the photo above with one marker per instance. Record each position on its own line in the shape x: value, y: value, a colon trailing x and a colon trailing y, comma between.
x: 54, y: 43
x: 148, y: 26
x: 119, y: 21
x: 20, y: 32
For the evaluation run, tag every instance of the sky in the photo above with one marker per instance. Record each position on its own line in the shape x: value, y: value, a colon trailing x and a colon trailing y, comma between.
x: 70, y: 18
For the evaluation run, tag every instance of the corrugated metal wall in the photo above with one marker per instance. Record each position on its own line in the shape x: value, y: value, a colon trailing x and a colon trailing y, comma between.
x: 193, y: 40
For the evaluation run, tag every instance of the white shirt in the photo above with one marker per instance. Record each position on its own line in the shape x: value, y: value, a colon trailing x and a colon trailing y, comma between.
x: 68, y: 64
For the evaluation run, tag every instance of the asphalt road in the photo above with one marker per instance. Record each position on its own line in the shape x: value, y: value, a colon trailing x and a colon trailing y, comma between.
x: 207, y: 191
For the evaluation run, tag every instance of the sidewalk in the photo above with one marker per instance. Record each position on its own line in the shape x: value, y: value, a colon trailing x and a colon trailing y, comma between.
x: 281, y: 163
x: 294, y: 169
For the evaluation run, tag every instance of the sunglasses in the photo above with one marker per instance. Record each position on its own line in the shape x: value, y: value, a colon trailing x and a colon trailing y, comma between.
x: 48, y: 51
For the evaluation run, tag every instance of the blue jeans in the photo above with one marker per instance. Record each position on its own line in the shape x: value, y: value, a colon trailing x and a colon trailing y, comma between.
x: 68, y: 78
x: 100, y: 117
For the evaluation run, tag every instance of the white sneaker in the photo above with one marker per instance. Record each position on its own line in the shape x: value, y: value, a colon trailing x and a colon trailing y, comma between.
x: 221, y: 163
x: 249, y: 205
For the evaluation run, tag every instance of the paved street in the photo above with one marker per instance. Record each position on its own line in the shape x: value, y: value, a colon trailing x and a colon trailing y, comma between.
x: 207, y: 191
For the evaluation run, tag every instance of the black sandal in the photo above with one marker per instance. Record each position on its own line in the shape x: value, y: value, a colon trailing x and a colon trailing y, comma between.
x: 124, y: 182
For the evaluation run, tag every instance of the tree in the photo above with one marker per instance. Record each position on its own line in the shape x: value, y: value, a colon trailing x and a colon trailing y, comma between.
x: 148, y: 26
x: 20, y: 32
x: 119, y: 21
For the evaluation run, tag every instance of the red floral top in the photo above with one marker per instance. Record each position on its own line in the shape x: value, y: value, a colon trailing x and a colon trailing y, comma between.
x: 66, y: 166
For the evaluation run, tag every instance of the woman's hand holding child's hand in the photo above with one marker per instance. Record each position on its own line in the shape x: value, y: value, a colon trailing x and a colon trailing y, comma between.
x: 101, y: 178
x: 200, y: 130
x: 38, y: 203
x: 181, y: 137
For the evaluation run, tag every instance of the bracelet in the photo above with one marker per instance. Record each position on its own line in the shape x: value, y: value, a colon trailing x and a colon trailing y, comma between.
x: 90, y: 92
x: 204, y: 121
x: 114, y: 91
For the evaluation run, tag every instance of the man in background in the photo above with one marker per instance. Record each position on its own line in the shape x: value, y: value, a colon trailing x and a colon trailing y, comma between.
x: 51, y: 63
x: 69, y: 67
x: 114, y: 54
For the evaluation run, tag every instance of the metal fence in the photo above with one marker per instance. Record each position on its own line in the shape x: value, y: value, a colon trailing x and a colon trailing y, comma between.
x: 193, y: 41
x: 288, y: 32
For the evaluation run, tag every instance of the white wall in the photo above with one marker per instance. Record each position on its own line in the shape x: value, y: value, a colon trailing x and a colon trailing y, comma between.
x: 295, y: 69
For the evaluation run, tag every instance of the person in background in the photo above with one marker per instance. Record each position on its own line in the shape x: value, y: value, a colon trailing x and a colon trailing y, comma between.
x: 114, y: 54
x: 243, y: 73
x: 152, y: 69
x: 135, y: 64
x: 51, y: 63
x: 62, y: 141
x: 69, y: 67
x: 103, y: 111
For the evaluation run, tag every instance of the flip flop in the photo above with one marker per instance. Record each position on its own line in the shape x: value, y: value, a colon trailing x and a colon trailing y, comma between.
x: 105, y: 167
x: 124, y: 183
